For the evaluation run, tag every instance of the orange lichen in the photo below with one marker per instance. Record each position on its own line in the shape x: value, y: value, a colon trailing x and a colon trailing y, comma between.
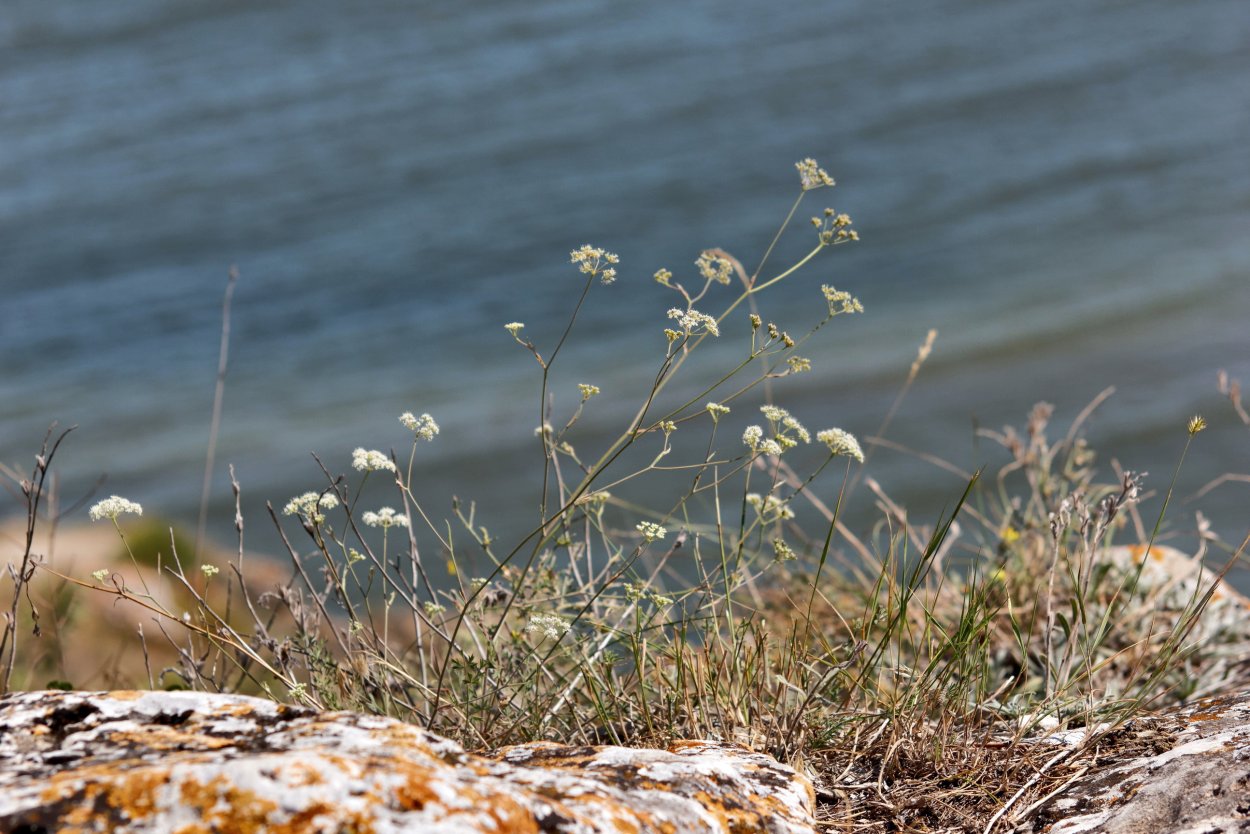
x: 168, y: 738
x: 227, y: 808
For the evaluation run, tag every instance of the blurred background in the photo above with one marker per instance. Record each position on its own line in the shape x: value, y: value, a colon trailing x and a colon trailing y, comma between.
x: 1061, y: 189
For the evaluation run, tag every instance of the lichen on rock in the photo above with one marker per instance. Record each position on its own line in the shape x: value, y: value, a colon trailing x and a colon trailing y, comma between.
x: 195, y: 763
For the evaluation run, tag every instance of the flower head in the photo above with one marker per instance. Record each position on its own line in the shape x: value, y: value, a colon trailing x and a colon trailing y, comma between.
x: 834, y: 228
x: 714, y: 266
x: 371, y: 460
x: 588, y: 391
x: 591, y: 260
x: 101, y: 574
x: 1196, y: 424
x: 786, y: 430
x: 209, y: 571
x: 384, y: 518
x: 514, y: 327
x: 651, y: 531
x: 692, y: 321
x: 717, y: 411
x: 770, y: 508
x: 310, y: 506
x: 112, y: 507
x: 423, y: 427
x: 840, y: 301
x: 549, y: 625
x: 841, y: 443
x: 812, y: 175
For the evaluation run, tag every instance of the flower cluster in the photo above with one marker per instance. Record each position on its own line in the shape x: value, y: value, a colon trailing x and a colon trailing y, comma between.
x: 112, y: 507
x: 310, y: 506
x: 717, y: 411
x: 549, y: 625
x: 840, y: 301
x: 590, y: 261
x: 770, y: 508
x: 783, y: 425
x: 209, y: 571
x: 776, y: 334
x: 782, y: 551
x: 841, y: 443
x: 798, y: 364
x: 834, y: 228
x: 692, y: 321
x: 371, y: 460
x: 812, y: 175
x: 385, y: 518
x: 663, y: 276
x: 714, y: 266
x: 651, y: 531
x: 423, y: 427
x: 514, y: 327
x: 753, y: 437
x: 787, y: 432
x: 587, y: 390
x: 642, y: 592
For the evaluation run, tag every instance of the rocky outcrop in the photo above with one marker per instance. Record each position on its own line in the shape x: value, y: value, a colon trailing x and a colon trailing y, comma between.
x: 1199, y: 783
x: 195, y: 763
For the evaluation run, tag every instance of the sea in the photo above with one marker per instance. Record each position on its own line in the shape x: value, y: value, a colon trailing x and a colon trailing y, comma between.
x: 1061, y: 190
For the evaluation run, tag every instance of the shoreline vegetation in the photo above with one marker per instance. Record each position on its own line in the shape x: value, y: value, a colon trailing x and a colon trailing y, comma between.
x: 919, y: 671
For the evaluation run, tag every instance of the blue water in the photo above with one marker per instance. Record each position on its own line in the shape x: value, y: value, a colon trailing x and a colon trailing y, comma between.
x: 1061, y: 189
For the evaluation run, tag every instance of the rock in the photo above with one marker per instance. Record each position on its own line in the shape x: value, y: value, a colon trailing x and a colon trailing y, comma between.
x: 195, y: 763
x: 1200, y: 783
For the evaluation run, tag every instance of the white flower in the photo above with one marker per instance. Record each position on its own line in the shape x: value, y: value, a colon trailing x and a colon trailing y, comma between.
x: 716, y: 410
x: 514, y: 327
x: 310, y: 504
x: 423, y: 427
x: 209, y: 571
x: 112, y: 507
x: 590, y: 260
x: 692, y: 321
x: 771, y: 447
x: 651, y: 531
x: 371, y: 460
x: 384, y: 518
x: 588, y: 391
x: 773, y: 413
x: 550, y: 625
x: 101, y: 574
x: 752, y: 436
x: 783, y: 425
x: 841, y: 443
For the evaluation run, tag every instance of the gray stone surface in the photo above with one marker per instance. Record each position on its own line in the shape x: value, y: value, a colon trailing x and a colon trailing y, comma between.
x: 1200, y: 784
